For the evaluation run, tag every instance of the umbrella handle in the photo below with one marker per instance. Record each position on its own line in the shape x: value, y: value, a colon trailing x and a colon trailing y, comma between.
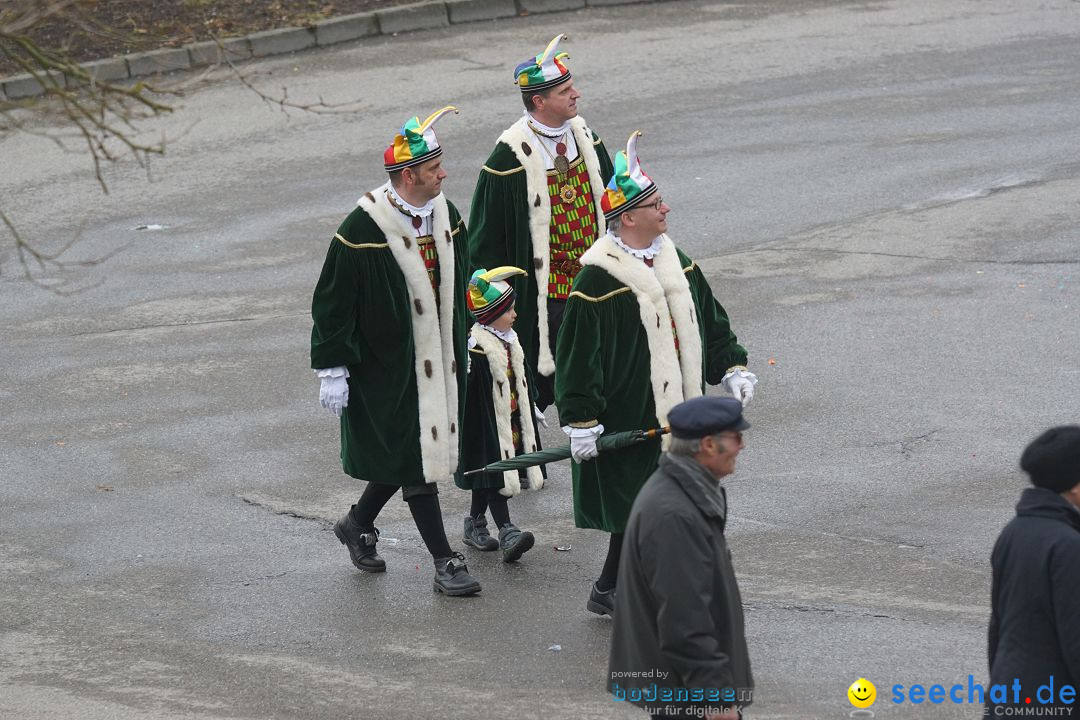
x: 655, y: 432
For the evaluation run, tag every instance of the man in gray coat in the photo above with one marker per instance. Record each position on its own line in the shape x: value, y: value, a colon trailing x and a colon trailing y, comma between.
x: 678, y: 647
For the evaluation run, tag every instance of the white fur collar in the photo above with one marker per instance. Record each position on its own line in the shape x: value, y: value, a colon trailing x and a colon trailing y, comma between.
x: 664, y: 297
x: 495, y: 352
x: 433, y: 331
x: 522, y: 142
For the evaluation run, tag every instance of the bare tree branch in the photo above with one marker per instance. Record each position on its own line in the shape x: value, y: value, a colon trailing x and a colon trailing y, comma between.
x: 282, y: 103
x: 47, y: 269
x: 103, y: 119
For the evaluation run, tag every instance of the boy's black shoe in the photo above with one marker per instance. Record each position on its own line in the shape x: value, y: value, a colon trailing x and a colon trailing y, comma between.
x: 514, y: 542
x: 477, y: 535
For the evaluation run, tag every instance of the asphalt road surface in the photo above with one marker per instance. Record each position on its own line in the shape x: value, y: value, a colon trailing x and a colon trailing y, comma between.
x: 884, y: 196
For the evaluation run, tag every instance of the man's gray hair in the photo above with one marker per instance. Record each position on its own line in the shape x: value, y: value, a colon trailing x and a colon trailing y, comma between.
x: 614, y: 225
x: 687, y: 447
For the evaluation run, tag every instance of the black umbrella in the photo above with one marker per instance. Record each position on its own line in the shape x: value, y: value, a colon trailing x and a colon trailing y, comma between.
x: 612, y: 441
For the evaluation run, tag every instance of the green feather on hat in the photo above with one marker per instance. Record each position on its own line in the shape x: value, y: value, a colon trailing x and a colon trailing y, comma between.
x: 543, y: 71
x: 629, y: 185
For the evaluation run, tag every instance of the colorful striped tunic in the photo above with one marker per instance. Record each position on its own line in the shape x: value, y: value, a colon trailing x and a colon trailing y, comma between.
x: 573, y: 228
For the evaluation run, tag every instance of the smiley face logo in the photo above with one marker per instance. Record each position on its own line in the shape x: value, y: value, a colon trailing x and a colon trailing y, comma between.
x: 862, y: 693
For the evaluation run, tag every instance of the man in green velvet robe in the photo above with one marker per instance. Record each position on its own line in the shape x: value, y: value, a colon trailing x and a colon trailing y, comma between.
x: 537, y: 204
x: 389, y: 345
x: 642, y: 333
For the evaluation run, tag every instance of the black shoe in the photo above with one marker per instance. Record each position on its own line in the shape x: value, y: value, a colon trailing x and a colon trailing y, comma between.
x: 601, y: 602
x: 477, y: 535
x: 452, y: 576
x: 361, y: 545
x: 514, y: 542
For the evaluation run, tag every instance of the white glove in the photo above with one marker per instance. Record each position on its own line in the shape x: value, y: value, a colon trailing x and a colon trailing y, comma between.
x: 740, y: 383
x: 334, y: 390
x: 583, y: 442
x: 539, y: 415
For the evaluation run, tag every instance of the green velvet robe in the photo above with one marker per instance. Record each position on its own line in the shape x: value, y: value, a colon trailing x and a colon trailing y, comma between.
x: 607, y: 370
x: 487, y: 420
x: 366, y: 310
x: 505, y: 220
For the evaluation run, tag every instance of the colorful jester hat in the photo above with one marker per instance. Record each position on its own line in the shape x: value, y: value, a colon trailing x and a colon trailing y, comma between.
x: 489, y: 293
x: 544, y: 71
x: 415, y: 142
x: 629, y: 185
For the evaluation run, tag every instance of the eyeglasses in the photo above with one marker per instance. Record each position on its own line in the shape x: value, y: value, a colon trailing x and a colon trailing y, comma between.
x: 654, y: 205
x: 733, y: 434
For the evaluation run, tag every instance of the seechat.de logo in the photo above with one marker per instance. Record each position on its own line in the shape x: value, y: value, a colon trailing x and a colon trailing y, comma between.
x: 862, y: 695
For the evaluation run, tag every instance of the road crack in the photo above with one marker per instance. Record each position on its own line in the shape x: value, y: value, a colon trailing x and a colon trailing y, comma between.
x: 796, y: 607
x: 288, y: 513
x: 903, y: 256
x: 185, y: 324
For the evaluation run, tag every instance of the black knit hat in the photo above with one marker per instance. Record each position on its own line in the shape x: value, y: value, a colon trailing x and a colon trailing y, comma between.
x: 1052, y: 460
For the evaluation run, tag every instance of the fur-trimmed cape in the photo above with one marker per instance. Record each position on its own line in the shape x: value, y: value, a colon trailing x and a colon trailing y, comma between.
x: 497, y: 405
x: 433, y: 331
x: 511, y: 217
x: 523, y: 143
x: 664, y: 303
x: 617, y: 365
x: 375, y: 312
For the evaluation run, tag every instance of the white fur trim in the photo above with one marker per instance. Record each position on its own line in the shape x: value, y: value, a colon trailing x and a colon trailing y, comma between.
x: 663, y: 295
x: 495, y: 352
x: 540, y: 214
x: 433, y: 331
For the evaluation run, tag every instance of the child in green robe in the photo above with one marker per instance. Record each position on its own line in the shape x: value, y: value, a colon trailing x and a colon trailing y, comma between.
x: 500, y: 416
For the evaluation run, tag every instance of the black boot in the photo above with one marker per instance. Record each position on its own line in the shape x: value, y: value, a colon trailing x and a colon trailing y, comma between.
x: 514, y: 542
x: 452, y: 576
x: 601, y: 602
x: 361, y: 545
x: 477, y: 535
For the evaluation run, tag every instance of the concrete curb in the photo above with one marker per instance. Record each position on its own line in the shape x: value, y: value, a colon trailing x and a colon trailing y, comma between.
x: 406, y: 18
x: 346, y: 28
x: 279, y: 42
x: 463, y: 11
x: 545, y: 6
x: 158, y: 61
x: 386, y: 21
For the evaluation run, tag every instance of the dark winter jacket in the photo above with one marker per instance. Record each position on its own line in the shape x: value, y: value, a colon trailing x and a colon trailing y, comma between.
x: 1035, y: 615
x: 678, y: 623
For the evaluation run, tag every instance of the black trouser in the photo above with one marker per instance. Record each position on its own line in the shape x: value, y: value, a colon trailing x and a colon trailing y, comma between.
x: 423, y: 504
x: 545, y: 384
x: 610, y: 572
x: 484, y: 498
